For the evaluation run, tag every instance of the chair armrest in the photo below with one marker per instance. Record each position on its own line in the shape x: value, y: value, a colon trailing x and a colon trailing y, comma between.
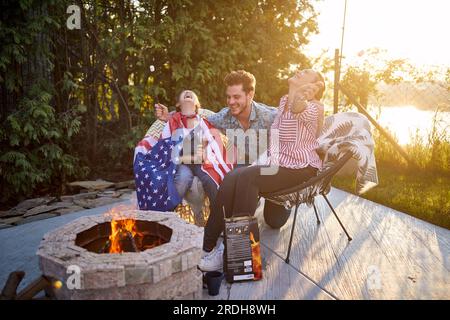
x: 156, y: 129
x: 324, y: 178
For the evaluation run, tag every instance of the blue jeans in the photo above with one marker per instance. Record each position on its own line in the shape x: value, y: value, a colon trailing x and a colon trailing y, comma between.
x: 185, y: 175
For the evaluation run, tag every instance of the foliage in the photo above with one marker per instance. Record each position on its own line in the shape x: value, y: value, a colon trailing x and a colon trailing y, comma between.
x: 34, y: 137
x: 87, y: 94
x: 148, y: 51
x: 431, y: 153
x: 420, y: 189
x: 35, y: 143
x: 375, y: 78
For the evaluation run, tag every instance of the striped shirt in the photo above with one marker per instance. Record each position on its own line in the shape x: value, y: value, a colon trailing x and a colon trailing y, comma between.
x: 295, y: 144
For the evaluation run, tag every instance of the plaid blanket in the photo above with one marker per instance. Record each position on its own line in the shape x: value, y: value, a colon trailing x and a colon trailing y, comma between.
x: 350, y: 131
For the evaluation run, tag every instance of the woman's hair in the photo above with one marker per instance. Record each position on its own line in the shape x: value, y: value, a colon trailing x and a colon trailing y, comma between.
x: 197, y: 101
x: 243, y: 77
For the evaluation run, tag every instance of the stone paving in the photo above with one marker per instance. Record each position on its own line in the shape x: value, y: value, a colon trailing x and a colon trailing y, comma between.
x: 18, y: 245
x: 91, y: 194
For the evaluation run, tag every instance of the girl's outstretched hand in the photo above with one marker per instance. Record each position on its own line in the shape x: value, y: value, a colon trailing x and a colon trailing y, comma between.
x: 161, y: 112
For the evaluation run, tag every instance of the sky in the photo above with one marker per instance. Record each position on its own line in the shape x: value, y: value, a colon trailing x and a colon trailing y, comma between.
x: 414, y: 29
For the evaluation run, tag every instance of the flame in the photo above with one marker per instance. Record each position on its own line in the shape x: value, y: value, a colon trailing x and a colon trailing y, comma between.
x: 256, y: 257
x: 119, y: 228
x: 125, y: 233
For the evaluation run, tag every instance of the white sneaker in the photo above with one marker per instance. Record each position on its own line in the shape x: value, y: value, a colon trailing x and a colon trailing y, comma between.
x: 212, y: 261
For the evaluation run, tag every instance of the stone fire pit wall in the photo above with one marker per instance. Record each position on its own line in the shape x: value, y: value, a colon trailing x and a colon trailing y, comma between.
x: 168, y: 271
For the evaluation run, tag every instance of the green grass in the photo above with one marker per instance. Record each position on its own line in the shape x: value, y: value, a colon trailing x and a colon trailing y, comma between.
x: 419, y: 193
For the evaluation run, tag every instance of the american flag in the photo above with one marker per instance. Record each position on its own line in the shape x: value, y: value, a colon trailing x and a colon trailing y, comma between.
x: 154, y: 173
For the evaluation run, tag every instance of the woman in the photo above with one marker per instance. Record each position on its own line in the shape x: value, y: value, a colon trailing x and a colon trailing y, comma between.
x: 293, y: 147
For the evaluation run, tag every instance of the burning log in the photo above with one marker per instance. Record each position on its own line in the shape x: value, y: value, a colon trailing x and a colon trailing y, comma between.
x: 127, y: 242
x: 122, y: 236
x: 125, y: 236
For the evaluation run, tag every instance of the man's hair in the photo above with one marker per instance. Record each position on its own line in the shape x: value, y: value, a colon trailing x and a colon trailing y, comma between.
x: 319, y: 93
x: 243, y: 77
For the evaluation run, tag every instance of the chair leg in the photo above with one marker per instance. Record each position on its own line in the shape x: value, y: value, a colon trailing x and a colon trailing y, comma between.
x: 334, y: 212
x: 315, y: 211
x: 292, y: 234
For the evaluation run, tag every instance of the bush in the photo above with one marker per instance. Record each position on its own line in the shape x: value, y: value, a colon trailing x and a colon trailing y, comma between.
x: 35, y: 144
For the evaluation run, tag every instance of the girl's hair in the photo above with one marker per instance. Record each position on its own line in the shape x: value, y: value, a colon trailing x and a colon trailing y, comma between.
x: 197, y: 101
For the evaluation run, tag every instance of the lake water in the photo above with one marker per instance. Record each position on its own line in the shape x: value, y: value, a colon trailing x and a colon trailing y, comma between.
x: 405, y: 121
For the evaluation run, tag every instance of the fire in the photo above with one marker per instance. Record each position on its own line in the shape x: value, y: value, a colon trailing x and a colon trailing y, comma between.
x: 124, y: 234
x: 256, y: 257
x: 120, y: 231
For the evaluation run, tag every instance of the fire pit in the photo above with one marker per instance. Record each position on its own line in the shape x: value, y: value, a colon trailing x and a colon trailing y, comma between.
x: 124, y: 254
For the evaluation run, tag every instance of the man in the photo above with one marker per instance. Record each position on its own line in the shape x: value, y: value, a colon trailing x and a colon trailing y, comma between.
x: 243, y: 115
x: 242, y: 112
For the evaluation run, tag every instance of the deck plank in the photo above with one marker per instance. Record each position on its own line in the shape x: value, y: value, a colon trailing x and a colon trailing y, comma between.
x: 410, y: 244
x: 311, y: 251
x: 392, y: 255
x: 405, y: 266
x: 280, y: 281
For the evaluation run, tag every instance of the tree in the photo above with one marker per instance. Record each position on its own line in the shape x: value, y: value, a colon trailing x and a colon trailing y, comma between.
x: 394, y: 81
x: 127, y: 55
x: 36, y: 127
x: 187, y: 45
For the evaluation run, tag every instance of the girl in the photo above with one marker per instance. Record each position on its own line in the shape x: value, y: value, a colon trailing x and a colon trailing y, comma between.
x: 188, y: 143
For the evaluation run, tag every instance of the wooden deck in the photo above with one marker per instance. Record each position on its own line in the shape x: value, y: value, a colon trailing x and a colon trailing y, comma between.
x: 392, y: 256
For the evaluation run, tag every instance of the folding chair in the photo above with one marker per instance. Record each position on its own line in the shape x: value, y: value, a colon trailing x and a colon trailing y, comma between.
x: 306, y: 192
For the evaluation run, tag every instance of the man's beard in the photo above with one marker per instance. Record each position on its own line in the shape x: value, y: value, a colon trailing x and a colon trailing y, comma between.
x: 239, y: 109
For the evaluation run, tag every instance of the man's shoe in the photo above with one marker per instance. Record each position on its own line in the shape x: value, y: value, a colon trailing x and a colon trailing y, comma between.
x: 212, y: 261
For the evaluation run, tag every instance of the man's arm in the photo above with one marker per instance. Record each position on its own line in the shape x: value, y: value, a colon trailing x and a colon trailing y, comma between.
x: 218, y: 119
